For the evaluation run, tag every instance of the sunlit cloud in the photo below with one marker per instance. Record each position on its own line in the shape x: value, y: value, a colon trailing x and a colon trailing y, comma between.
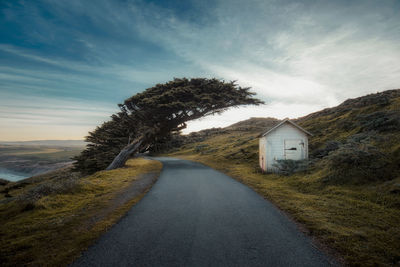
x: 35, y: 118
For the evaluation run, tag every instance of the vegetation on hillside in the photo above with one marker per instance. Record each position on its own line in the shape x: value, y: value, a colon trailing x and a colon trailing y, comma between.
x: 150, y: 117
x: 48, y: 220
x: 349, y: 197
x: 358, y: 141
x: 104, y: 143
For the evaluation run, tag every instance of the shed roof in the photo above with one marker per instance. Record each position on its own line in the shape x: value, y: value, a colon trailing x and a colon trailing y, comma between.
x: 283, y: 122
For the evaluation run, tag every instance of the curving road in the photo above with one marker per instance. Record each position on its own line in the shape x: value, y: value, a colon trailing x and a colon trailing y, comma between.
x: 196, y: 216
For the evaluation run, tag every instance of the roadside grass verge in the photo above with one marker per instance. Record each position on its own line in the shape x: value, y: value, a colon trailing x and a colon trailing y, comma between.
x: 359, y: 224
x: 51, y: 219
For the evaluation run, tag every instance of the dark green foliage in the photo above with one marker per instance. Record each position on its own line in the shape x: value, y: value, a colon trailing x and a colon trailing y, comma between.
x: 104, y: 143
x: 3, y: 181
x: 357, y: 142
x: 330, y: 146
x: 28, y: 206
x: 148, y: 119
x: 396, y: 157
x: 356, y: 163
x: 288, y: 167
x: 173, y: 103
x: 381, y: 121
x: 200, y: 148
x: 395, y: 189
x: 61, y: 186
x: 55, y: 185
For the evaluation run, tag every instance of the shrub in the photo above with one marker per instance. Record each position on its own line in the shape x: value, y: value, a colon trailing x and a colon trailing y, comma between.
x: 200, y: 147
x: 355, y: 163
x: 3, y: 181
x: 288, y: 167
x: 329, y: 146
x: 210, y: 151
x: 380, y: 121
x: 60, y: 186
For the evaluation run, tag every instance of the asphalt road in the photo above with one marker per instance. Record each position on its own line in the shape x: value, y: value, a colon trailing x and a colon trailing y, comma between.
x: 196, y: 216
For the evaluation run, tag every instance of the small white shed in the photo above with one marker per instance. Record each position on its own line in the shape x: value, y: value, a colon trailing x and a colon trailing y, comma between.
x: 286, y: 140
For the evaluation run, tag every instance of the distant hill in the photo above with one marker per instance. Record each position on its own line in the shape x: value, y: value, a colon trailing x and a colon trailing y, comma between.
x: 59, y: 143
x: 253, y: 124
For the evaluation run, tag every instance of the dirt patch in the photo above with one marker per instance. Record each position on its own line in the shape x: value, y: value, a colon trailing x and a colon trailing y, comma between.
x: 138, y: 187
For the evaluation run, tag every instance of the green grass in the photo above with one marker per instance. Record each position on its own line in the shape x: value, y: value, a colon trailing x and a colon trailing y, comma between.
x: 56, y: 228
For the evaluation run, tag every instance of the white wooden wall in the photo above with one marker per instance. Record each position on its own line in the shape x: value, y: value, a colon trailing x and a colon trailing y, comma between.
x: 272, y: 146
x: 262, y: 153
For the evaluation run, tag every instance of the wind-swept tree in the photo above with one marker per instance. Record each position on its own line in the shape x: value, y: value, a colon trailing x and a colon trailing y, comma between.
x: 165, y: 108
x: 105, y: 142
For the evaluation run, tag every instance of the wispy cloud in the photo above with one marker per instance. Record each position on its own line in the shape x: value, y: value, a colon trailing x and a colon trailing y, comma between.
x: 298, y: 56
x: 293, y: 49
x: 32, y: 117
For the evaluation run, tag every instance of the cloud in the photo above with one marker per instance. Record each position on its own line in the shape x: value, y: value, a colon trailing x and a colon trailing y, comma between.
x: 37, y: 118
x: 298, y: 56
x: 293, y: 51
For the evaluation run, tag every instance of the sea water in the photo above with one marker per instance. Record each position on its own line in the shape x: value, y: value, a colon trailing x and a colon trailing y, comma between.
x: 12, y: 175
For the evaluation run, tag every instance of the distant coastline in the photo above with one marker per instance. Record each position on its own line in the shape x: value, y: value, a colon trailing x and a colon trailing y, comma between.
x: 13, y: 176
x: 23, y: 159
x: 63, y: 143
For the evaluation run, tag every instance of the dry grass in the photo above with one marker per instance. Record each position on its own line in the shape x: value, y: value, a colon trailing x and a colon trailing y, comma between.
x: 59, y: 225
x: 358, y: 217
x: 361, y: 224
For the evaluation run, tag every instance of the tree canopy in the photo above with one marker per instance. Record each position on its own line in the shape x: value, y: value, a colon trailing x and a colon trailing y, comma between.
x: 155, y: 113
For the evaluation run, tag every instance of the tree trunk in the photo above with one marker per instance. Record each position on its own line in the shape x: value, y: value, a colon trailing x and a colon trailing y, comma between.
x: 126, y: 152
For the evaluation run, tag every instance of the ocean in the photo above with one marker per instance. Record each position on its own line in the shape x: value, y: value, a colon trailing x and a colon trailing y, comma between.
x: 12, y: 175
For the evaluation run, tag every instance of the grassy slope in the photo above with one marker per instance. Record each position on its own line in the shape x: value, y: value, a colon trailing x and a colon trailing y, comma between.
x: 62, y: 224
x: 360, y: 222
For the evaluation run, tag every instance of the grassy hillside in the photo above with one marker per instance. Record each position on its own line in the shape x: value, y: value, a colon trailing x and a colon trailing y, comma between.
x: 48, y: 220
x: 349, y: 197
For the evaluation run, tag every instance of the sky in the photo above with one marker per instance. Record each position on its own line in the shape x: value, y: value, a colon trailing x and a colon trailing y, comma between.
x: 65, y: 65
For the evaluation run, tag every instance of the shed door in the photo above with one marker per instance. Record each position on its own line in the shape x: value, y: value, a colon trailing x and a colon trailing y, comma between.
x: 294, y: 149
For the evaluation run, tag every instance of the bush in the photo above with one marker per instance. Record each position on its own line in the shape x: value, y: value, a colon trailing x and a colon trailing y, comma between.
x: 380, y: 121
x: 200, y: 148
x: 355, y: 163
x: 3, y: 181
x: 329, y: 146
x: 288, y: 167
x: 60, y: 186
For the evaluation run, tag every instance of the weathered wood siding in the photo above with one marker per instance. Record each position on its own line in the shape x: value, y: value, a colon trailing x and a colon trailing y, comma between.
x: 272, y: 146
x: 262, y: 154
